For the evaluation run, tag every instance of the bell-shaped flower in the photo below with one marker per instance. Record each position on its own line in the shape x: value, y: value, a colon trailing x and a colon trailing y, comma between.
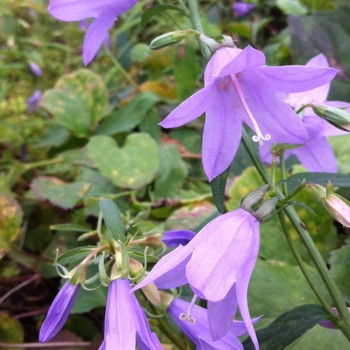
x: 58, y: 311
x: 33, y: 101
x: 240, y: 88
x: 105, y: 13
x: 125, y: 321
x: 35, y: 68
x: 317, y: 154
x: 217, y: 263
x: 195, y: 326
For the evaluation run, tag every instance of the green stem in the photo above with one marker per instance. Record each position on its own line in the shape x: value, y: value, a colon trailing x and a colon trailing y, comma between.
x: 197, y: 25
x: 344, y: 323
x: 300, y: 261
x: 283, y: 171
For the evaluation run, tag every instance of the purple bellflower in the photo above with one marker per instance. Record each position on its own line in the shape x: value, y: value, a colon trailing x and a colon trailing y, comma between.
x: 196, y: 327
x: 124, y: 319
x: 33, y: 101
x: 317, y: 154
x: 105, y: 13
x: 217, y: 263
x: 241, y: 8
x: 238, y: 88
x: 173, y: 239
x: 59, y: 311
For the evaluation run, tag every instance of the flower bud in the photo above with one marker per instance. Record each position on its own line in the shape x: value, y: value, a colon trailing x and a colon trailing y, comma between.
x: 253, y: 197
x: 336, y: 116
x: 152, y: 294
x: 170, y: 38
x: 337, y: 206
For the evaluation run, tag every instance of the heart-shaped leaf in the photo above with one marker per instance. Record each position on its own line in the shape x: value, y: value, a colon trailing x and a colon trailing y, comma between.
x: 78, y: 101
x: 132, y: 166
x: 64, y: 195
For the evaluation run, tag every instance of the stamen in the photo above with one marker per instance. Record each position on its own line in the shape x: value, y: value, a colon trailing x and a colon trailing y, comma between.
x: 259, y: 137
x: 187, y: 316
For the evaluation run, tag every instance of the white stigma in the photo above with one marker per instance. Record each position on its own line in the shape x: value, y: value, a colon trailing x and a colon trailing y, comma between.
x: 259, y: 137
x: 187, y: 316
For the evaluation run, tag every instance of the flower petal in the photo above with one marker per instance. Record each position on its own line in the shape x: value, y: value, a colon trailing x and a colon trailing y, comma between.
x: 222, y: 131
x: 97, y: 32
x: 120, y: 327
x: 58, y: 311
x: 188, y: 110
x: 169, y: 271
x: 272, y: 114
x: 297, y: 78
x: 173, y: 239
x: 221, y: 314
x: 227, y: 251
x: 317, y: 156
x: 242, y: 290
x: 76, y: 10
x: 247, y: 59
x: 147, y: 337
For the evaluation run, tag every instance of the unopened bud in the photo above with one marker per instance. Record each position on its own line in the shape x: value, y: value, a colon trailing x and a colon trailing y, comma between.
x: 253, y: 197
x: 136, y: 267
x: 170, y: 38
x: 336, y: 116
x: 266, y: 208
x: 152, y: 294
x: 337, y: 206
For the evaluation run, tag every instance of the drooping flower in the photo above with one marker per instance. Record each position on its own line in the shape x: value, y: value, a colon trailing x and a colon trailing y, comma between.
x: 33, y: 101
x: 105, y: 13
x: 59, y: 311
x: 240, y: 88
x: 217, y: 263
x: 173, y: 239
x: 317, y: 154
x: 241, y: 8
x: 125, y: 320
x: 197, y: 327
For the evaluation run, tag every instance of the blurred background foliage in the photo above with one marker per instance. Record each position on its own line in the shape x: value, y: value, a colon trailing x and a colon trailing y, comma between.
x: 94, y: 133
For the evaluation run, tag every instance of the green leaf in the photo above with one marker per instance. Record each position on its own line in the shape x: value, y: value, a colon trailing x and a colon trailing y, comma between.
x: 89, y: 299
x: 133, y: 166
x: 11, y: 215
x: 130, y: 116
x: 292, y: 7
x: 218, y: 186
x: 172, y: 173
x: 288, y: 327
x: 11, y: 331
x: 154, y: 10
x: 337, y: 180
x: 75, y: 255
x: 64, y: 195
x: 112, y: 218
x: 341, y: 271
x: 78, y: 101
x: 70, y: 227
